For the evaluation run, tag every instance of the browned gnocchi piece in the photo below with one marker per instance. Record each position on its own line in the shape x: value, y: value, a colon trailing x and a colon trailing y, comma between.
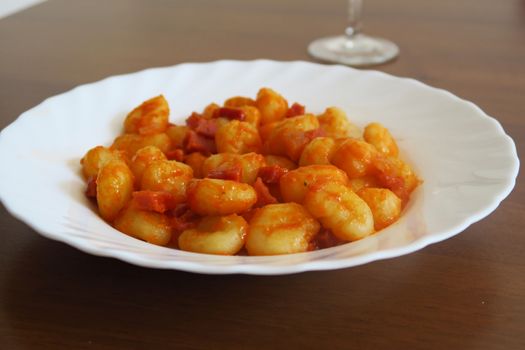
x: 131, y: 143
x: 209, y: 110
x: 335, y: 124
x: 148, y: 226
x: 177, y: 134
x: 379, y: 136
x: 251, y: 115
x: 295, y: 184
x: 385, y: 205
x: 280, y: 229
x: 151, y: 117
x: 273, y: 106
x: 114, y: 188
x: 248, y: 164
x: 239, y: 101
x: 319, y: 151
x: 283, y: 162
x: 169, y: 176
x: 222, y: 235
x: 196, y: 160
x: 220, y: 197
x: 355, y: 157
x: 238, y: 137
x: 341, y: 210
x: 289, y: 137
x: 142, y: 159
x: 96, y: 158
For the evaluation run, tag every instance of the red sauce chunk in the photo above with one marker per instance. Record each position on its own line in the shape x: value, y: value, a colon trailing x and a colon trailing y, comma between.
x: 194, y: 142
x: 264, y: 196
x: 271, y: 174
x: 230, y: 113
x: 232, y: 172
x: 324, y: 239
x: 201, y: 125
x: 157, y: 201
x: 295, y: 110
x: 176, y: 154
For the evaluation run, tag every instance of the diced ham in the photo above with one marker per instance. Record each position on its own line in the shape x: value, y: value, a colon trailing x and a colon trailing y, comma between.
x: 271, y: 174
x: 227, y: 172
x: 263, y: 194
x: 229, y: 113
x: 324, y: 239
x: 395, y: 184
x: 201, y: 125
x: 176, y: 154
x: 295, y: 110
x: 186, y: 220
x: 312, y: 134
x: 157, y: 201
x: 194, y: 142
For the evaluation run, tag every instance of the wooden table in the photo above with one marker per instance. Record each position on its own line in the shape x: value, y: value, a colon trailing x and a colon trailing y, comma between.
x: 465, y: 293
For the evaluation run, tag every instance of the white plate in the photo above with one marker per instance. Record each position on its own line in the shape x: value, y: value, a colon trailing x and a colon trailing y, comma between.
x: 466, y: 160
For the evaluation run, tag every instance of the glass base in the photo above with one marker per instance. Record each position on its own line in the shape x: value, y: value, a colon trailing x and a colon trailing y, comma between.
x: 360, y: 50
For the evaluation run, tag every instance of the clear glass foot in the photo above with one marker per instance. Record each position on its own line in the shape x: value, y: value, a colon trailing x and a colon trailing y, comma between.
x: 356, y: 50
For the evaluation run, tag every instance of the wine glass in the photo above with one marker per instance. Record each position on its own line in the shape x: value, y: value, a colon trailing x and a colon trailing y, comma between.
x: 354, y: 48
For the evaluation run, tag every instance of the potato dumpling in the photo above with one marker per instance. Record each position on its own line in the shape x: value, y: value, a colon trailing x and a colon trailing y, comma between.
x: 238, y: 137
x: 249, y: 164
x: 177, y: 133
x: 167, y: 175
x: 96, y: 158
x: 114, y: 188
x: 148, y: 226
x: 220, y: 197
x: 131, y: 143
x: 341, y: 210
x: 385, y: 205
x: 379, y: 136
x: 319, y: 151
x: 335, y: 124
x: 280, y: 229
x: 223, y: 235
x: 363, y: 182
x: 142, y: 159
x: 216, y: 160
x: 151, y: 117
x: 196, y: 160
x: 295, y: 184
x: 355, y: 157
x: 239, y: 101
x: 266, y: 130
x: 283, y: 162
x: 396, y: 175
x: 251, y: 115
x: 288, y: 137
x: 209, y: 110
x: 273, y: 106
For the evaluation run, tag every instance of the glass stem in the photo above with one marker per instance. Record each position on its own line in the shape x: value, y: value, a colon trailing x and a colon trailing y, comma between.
x: 355, y: 10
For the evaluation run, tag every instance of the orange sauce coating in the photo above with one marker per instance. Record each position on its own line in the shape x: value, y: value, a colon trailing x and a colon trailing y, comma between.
x: 260, y: 175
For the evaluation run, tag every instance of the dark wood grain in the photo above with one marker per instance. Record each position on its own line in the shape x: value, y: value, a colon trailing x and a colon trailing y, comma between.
x: 464, y: 293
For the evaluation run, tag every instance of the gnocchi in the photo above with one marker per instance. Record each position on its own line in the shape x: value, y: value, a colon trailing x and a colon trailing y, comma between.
x: 282, y: 228
x: 223, y: 235
x: 256, y: 176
